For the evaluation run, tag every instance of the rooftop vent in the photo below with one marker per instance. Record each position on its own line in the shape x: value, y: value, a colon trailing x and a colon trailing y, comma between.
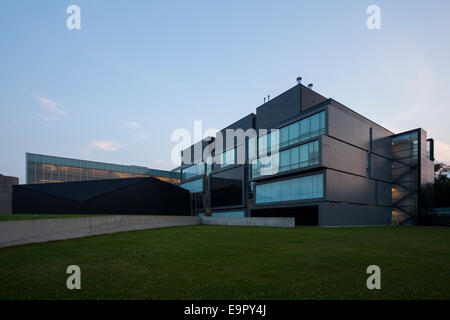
x: 299, y: 80
x: 310, y: 86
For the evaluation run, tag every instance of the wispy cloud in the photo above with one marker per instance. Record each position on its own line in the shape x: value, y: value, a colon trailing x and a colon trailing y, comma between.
x: 51, y: 109
x: 132, y: 124
x: 109, y: 146
x: 162, y: 164
x: 136, y: 130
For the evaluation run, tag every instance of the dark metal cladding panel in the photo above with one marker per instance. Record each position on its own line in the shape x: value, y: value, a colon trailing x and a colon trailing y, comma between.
x: 140, y: 196
x: 384, y: 194
x: 280, y: 108
x: 380, y: 168
x: 381, y: 143
x: 344, y: 126
x: 194, y: 153
x: 341, y: 156
x: 310, y: 98
x: 349, y: 126
x: 344, y: 214
x: 248, y: 122
x: 344, y: 187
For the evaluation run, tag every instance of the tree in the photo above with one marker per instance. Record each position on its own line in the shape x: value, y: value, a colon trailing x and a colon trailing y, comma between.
x: 441, y: 184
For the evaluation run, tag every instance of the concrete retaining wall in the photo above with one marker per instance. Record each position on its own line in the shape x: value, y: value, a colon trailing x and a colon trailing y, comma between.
x: 260, y: 222
x: 17, y: 232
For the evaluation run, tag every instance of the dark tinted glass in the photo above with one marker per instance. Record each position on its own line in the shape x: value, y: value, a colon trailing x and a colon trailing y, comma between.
x: 226, y: 187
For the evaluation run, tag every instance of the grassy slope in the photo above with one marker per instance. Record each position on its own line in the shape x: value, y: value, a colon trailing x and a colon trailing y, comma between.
x: 222, y: 262
x: 7, y: 217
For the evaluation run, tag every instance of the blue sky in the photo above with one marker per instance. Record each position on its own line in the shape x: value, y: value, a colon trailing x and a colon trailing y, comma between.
x: 115, y: 90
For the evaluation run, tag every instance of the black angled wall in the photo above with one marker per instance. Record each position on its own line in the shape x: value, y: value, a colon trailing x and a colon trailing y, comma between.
x: 116, y: 196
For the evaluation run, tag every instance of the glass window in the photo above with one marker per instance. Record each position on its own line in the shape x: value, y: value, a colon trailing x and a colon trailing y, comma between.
x: 294, y: 133
x: 208, y: 165
x: 227, y: 158
x: 303, y: 154
x: 226, y: 187
x: 322, y: 121
x: 309, y: 187
x: 252, y: 148
x: 284, y: 136
x: 236, y: 214
x: 285, y: 159
x: 193, y: 186
x: 262, y: 145
x: 314, y: 124
x: 298, y: 131
x: 193, y: 171
x: 294, y: 157
x: 304, y: 129
x: 297, y: 157
x: 254, y: 165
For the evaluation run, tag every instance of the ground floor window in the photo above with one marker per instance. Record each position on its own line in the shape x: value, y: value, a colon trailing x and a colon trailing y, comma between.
x: 236, y: 214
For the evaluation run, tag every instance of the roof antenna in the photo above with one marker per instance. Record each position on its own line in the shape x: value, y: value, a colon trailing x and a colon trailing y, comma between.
x: 268, y: 97
x: 264, y: 99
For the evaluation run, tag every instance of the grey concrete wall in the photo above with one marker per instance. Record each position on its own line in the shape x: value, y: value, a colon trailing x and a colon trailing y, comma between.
x: 260, y: 222
x: 19, y: 232
x: 6, y: 184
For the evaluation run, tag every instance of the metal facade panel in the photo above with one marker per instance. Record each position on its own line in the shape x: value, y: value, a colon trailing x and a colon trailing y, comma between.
x: 139, y: 196
x: 280, y: 108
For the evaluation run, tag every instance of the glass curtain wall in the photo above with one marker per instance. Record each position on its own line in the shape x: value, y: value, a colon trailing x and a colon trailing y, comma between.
x: 302, y: 130
x: 193, y: 171
x: 50, y: 169
x: 193, y: 186
x: 304, y: 155
x: 405, y: 177
x: 309, y: 187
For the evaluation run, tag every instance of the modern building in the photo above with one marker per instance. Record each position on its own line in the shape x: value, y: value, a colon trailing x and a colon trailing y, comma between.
x: 6, y: 187
x: 319, y: 162
x: 49, y: 169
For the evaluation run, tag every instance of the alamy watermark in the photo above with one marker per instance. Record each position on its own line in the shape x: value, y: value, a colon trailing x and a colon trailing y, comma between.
x: 374, y: 281
x: 73, y: 21
x: 373, y: 22
x: 225, y: 141
x: 74, y: 280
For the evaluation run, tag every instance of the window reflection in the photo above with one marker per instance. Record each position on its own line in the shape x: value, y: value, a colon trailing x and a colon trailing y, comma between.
x: 49, y: 169
x: 309, y: 187
x: 301, y: 156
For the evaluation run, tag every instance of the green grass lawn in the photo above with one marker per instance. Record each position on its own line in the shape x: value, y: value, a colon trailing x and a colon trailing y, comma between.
x: 6, y: 217
x: 225, y: 262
